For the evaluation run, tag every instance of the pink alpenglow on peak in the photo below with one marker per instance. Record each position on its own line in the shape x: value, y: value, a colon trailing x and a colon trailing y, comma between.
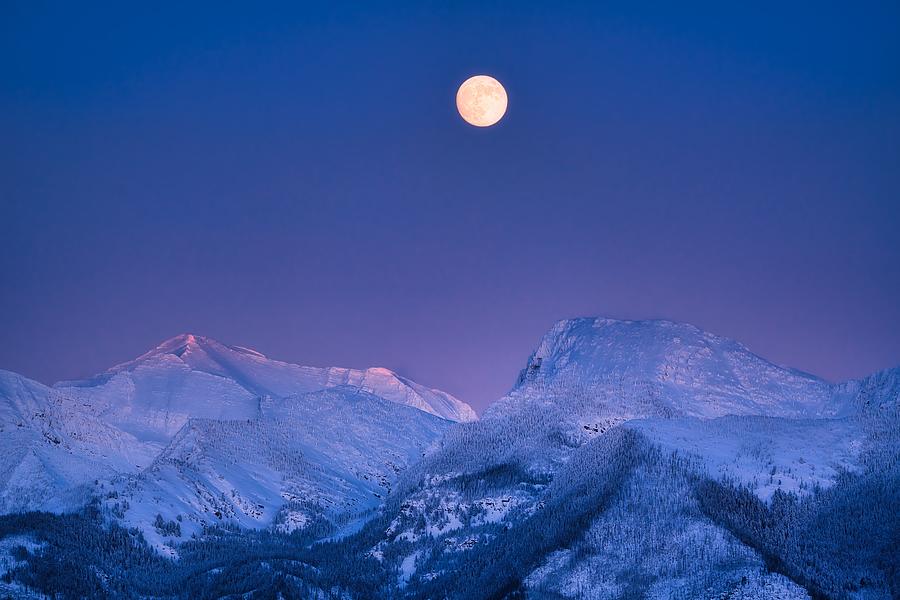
x: 192, y: 376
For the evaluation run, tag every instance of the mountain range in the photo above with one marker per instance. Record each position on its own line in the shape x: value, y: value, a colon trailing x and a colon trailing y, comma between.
x: 644, y: 459
x: 211, y: 433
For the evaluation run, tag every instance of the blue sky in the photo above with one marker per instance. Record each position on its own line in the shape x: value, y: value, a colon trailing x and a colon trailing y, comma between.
x: 294, y: 177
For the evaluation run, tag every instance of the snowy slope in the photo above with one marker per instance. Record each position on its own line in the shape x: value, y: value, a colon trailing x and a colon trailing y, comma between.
x: 764, y: 453
x: 52, y: 448
x: 333, y: 453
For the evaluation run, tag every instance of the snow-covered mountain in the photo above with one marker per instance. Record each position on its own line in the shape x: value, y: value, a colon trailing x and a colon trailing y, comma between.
x: 645, y: 368
x: 631, y: 459
x: 53, y: 448
x: 205, y: 433
x: 589, y: 479
x: 191, y: 376
x: 330, y: 455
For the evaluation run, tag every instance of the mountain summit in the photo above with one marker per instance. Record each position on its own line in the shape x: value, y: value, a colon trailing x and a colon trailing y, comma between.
x: 192, y: 376
x: 662, y: 368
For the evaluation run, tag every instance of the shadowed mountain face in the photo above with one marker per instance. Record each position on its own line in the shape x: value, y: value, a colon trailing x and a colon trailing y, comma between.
x: 590, y: 479
x: 333, y: 454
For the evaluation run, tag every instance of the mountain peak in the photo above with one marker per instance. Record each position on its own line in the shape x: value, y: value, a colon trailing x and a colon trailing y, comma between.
x: 666, y: 368
x: 197, y: 351
x: 179, y: 344
x: 646, y: 338
x: 183, y: 341
x: 188, y: 366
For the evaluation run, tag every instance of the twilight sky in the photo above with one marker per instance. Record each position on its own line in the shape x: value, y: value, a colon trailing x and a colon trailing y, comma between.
x: 295, y: 179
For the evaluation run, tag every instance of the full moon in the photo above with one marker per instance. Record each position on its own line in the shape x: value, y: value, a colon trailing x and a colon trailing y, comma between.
x: 481, y: 101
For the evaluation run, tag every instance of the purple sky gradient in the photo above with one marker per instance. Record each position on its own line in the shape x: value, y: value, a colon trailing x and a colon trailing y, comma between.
x: 296, y: 180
